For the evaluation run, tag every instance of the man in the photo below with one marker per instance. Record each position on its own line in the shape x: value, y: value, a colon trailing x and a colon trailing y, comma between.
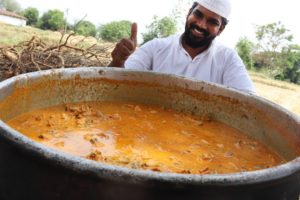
x: 194, y: 54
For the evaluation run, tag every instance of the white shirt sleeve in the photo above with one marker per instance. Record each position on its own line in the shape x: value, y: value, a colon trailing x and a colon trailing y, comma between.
x: 142, y: 58
x: 236, y: 75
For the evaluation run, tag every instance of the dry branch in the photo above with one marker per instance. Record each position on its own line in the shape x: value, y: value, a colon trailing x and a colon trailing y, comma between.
x: 34, y: 55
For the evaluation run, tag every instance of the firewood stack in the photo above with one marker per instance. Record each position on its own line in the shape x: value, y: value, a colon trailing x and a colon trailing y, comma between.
x: 34, y: 55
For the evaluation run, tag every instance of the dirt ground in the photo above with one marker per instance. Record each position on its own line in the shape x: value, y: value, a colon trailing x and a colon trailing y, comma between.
x: 288, y: 98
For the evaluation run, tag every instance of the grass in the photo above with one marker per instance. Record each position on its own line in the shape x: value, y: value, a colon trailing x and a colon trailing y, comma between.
x: 13, y: 35
x: 282, y: 93
x: 261, y: 78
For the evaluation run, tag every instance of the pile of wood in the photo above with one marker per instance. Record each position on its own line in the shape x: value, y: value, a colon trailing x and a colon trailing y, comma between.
x: 34, y: 55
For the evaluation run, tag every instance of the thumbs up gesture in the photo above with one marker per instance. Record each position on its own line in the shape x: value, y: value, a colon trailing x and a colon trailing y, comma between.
x: 124, y: 48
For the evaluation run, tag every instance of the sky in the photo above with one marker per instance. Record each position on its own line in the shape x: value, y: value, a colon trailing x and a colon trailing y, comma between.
x: 244, y: 16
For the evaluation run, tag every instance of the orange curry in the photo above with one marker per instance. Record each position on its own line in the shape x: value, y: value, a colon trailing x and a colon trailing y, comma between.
x: 145, y: 137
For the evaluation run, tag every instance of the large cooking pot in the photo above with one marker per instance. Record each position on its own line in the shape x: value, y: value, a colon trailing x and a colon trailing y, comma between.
x: 29, y: 170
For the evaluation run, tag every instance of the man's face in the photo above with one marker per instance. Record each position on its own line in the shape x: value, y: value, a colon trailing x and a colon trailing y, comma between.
x: 202, y: 26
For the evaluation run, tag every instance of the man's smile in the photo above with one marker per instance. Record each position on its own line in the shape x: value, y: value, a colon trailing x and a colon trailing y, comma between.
x: 198, y: 32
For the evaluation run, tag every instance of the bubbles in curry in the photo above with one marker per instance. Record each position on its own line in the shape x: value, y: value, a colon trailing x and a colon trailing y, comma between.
x: 145, y: 137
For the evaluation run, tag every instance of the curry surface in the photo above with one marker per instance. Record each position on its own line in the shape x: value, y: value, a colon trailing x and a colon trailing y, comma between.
x: 145, y: 137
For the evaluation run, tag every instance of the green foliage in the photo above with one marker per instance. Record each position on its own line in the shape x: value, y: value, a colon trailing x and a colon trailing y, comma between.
x: 273, y: 40
x: 32, y: 15
x: 291, y: 72
x: 245, y: 48
x: 52, y: 20
x: 116, y: 30
x: 273, y: 37
x: 179, y: 13
x: 273, y: 52
x: 160, y: 28
x: 10, y: 5
x: 85, y: 28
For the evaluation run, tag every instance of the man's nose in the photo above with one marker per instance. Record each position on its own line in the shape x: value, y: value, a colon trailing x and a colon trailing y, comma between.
x: 202, y: 23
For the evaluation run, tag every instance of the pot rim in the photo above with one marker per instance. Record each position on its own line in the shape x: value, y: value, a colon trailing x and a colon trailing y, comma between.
x: 103, y: 170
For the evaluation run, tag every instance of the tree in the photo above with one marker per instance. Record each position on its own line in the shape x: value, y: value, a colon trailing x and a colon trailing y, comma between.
x: 276, y: 52
x: 160, y: 28
x: 293, y: 74
x: 273, y: 37
x: 180, y: 11
x: 274, y: 43
x: 292, y: 71
x: 245, y: 49
x: 10, y: 5
x: 32, y: 15
x: 53, y: 20
x: 115, y: 30
x: 85, y: 28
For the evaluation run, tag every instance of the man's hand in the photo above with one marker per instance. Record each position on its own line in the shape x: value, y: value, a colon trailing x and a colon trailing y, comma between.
x: 124, y: 48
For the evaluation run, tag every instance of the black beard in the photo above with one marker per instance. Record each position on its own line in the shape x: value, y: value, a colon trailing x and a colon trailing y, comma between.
x: 195, y: 42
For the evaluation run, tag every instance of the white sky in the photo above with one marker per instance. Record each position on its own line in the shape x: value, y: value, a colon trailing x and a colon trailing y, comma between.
x: 245, y: 13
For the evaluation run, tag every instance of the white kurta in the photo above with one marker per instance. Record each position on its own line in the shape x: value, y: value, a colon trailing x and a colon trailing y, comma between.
x: 218, y: 64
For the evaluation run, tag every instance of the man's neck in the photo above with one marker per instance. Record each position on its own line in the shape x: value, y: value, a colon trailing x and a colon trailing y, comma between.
x: 193, y: 52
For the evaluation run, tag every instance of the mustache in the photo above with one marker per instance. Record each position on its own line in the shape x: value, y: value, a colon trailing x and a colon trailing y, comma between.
x: 194, y: 26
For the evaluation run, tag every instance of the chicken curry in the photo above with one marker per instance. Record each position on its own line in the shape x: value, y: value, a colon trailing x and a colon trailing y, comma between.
x: 145, y: 137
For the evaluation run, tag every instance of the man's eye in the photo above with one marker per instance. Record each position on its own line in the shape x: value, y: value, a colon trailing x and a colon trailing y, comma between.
x: 213, y: 22
x: 197, y: 14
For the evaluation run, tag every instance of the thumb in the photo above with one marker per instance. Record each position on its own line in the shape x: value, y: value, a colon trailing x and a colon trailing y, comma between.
x: 133, y: 35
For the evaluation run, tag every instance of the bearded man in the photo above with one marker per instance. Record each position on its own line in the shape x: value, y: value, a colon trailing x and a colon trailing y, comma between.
x: 194, y: 54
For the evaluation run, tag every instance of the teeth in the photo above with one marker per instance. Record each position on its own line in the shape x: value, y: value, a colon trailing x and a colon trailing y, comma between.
x: 198, y: 31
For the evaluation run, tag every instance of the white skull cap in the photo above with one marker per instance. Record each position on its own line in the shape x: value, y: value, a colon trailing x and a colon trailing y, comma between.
x: 220, y: 7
